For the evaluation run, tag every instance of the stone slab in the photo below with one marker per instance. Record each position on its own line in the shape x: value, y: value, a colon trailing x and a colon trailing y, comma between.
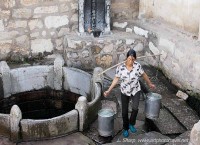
x: 31, y: 78
x: 150, y: 138
x: 77, y: 81
x: 182, y: 139
x: 6, y: 141
x: 73, y: 139
x: 182, y: 112
x: 93, y: 131
x: 167, y: 124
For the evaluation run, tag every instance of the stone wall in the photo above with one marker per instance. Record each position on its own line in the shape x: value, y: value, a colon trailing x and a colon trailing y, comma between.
x: 180, y: 53
x: 183, y: 13
x: 29, y: 27
x: 90, y: 52
x: 34, y: 28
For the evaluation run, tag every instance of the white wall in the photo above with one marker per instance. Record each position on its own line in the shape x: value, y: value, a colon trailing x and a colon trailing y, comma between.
x: 183, y: 13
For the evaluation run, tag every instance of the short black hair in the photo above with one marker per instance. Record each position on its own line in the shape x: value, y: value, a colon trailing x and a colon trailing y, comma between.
x: 131, y: 52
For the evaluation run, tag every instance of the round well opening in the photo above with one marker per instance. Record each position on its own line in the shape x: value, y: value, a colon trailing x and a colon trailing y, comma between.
x: 41, y: 104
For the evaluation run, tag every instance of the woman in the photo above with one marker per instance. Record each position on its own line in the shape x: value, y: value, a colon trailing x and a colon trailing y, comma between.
x: 129, y: 73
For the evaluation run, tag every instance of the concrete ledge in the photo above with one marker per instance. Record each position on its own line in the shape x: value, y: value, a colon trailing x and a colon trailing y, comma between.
x: 38, y: 129
x: 94, y: 105
x: 5, y: 125
x: 31, y: 78
x: 77, y: 81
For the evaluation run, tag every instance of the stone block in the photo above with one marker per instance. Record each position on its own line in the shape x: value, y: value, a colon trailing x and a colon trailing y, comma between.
x: 74, y: 6
x: 85, y: 53
x: 120, y: 25
x: 139, y: 47
x: 97, y: 76
x: 64, y: 8
x: 140, y: 31
x: 82, y: 108
x: 104, y: 61
x: 35, y: 34
x: 153, y: 48
x: 59, y: 44
x: 180, y: 54
x: 31, y: 78
x: 163, y: 56
x: 9, y: 3
x: 5, y: 125
x: 183, y: 113
x: 5, y: 75
x: 167, y: 45
x: 41, y: 45
x: 72, y: 55
x: 74, y: 18
x: 46, y: 10
x: 77, y: 81
x: 166, y: 119
x: 58, y: 73
x: 17, y: 24
x: 15, y: 118
x: 1, y: 25
x: 57, y: 126
x: 35, y: 24
x: 129, y: 30
x: 56, y: 21
x: 5, y: 48
x: 5, y: 14
x: 63, y: 32
x: 108, y: 48
x: 23, y: 42
x: 28, y: 2
x: 130, y: 41
x: 74, y: 44
x: 22, y: 13
x: 8, y: 35
x: 195, y: 134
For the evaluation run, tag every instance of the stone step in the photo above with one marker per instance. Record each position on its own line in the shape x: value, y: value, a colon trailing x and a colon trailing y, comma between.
x: 180, y: 110
x: 182, y: 139
x: 165, y: 124
x: 150, y: 138
x: 72, y: 139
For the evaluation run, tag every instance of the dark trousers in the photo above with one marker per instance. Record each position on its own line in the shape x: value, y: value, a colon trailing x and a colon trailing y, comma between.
x: 125, y: 103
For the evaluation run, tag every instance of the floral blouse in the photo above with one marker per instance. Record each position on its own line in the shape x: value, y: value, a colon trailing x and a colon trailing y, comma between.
x: 129, y: 79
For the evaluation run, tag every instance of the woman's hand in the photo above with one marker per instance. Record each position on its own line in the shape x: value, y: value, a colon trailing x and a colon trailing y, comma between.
x: 106, y: 93
x: 152, y: 86
x: 114, y: 82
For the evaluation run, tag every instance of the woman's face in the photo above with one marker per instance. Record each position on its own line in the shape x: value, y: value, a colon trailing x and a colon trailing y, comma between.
x: 130, y: 59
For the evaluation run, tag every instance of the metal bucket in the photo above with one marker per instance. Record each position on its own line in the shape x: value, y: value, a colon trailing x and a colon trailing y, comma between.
x: 106, y: 122
x: 152, y: 105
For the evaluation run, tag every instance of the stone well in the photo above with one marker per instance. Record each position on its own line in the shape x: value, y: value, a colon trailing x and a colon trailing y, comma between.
x: 55, y: 77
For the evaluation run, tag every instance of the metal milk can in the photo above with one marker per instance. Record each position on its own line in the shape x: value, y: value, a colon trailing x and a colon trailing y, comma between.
x: 152, y: 105
x: 106, y: 122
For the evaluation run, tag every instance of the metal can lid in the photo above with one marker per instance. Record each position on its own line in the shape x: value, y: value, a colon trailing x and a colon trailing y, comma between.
x: 106, y: 113
x: 154, y: 96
